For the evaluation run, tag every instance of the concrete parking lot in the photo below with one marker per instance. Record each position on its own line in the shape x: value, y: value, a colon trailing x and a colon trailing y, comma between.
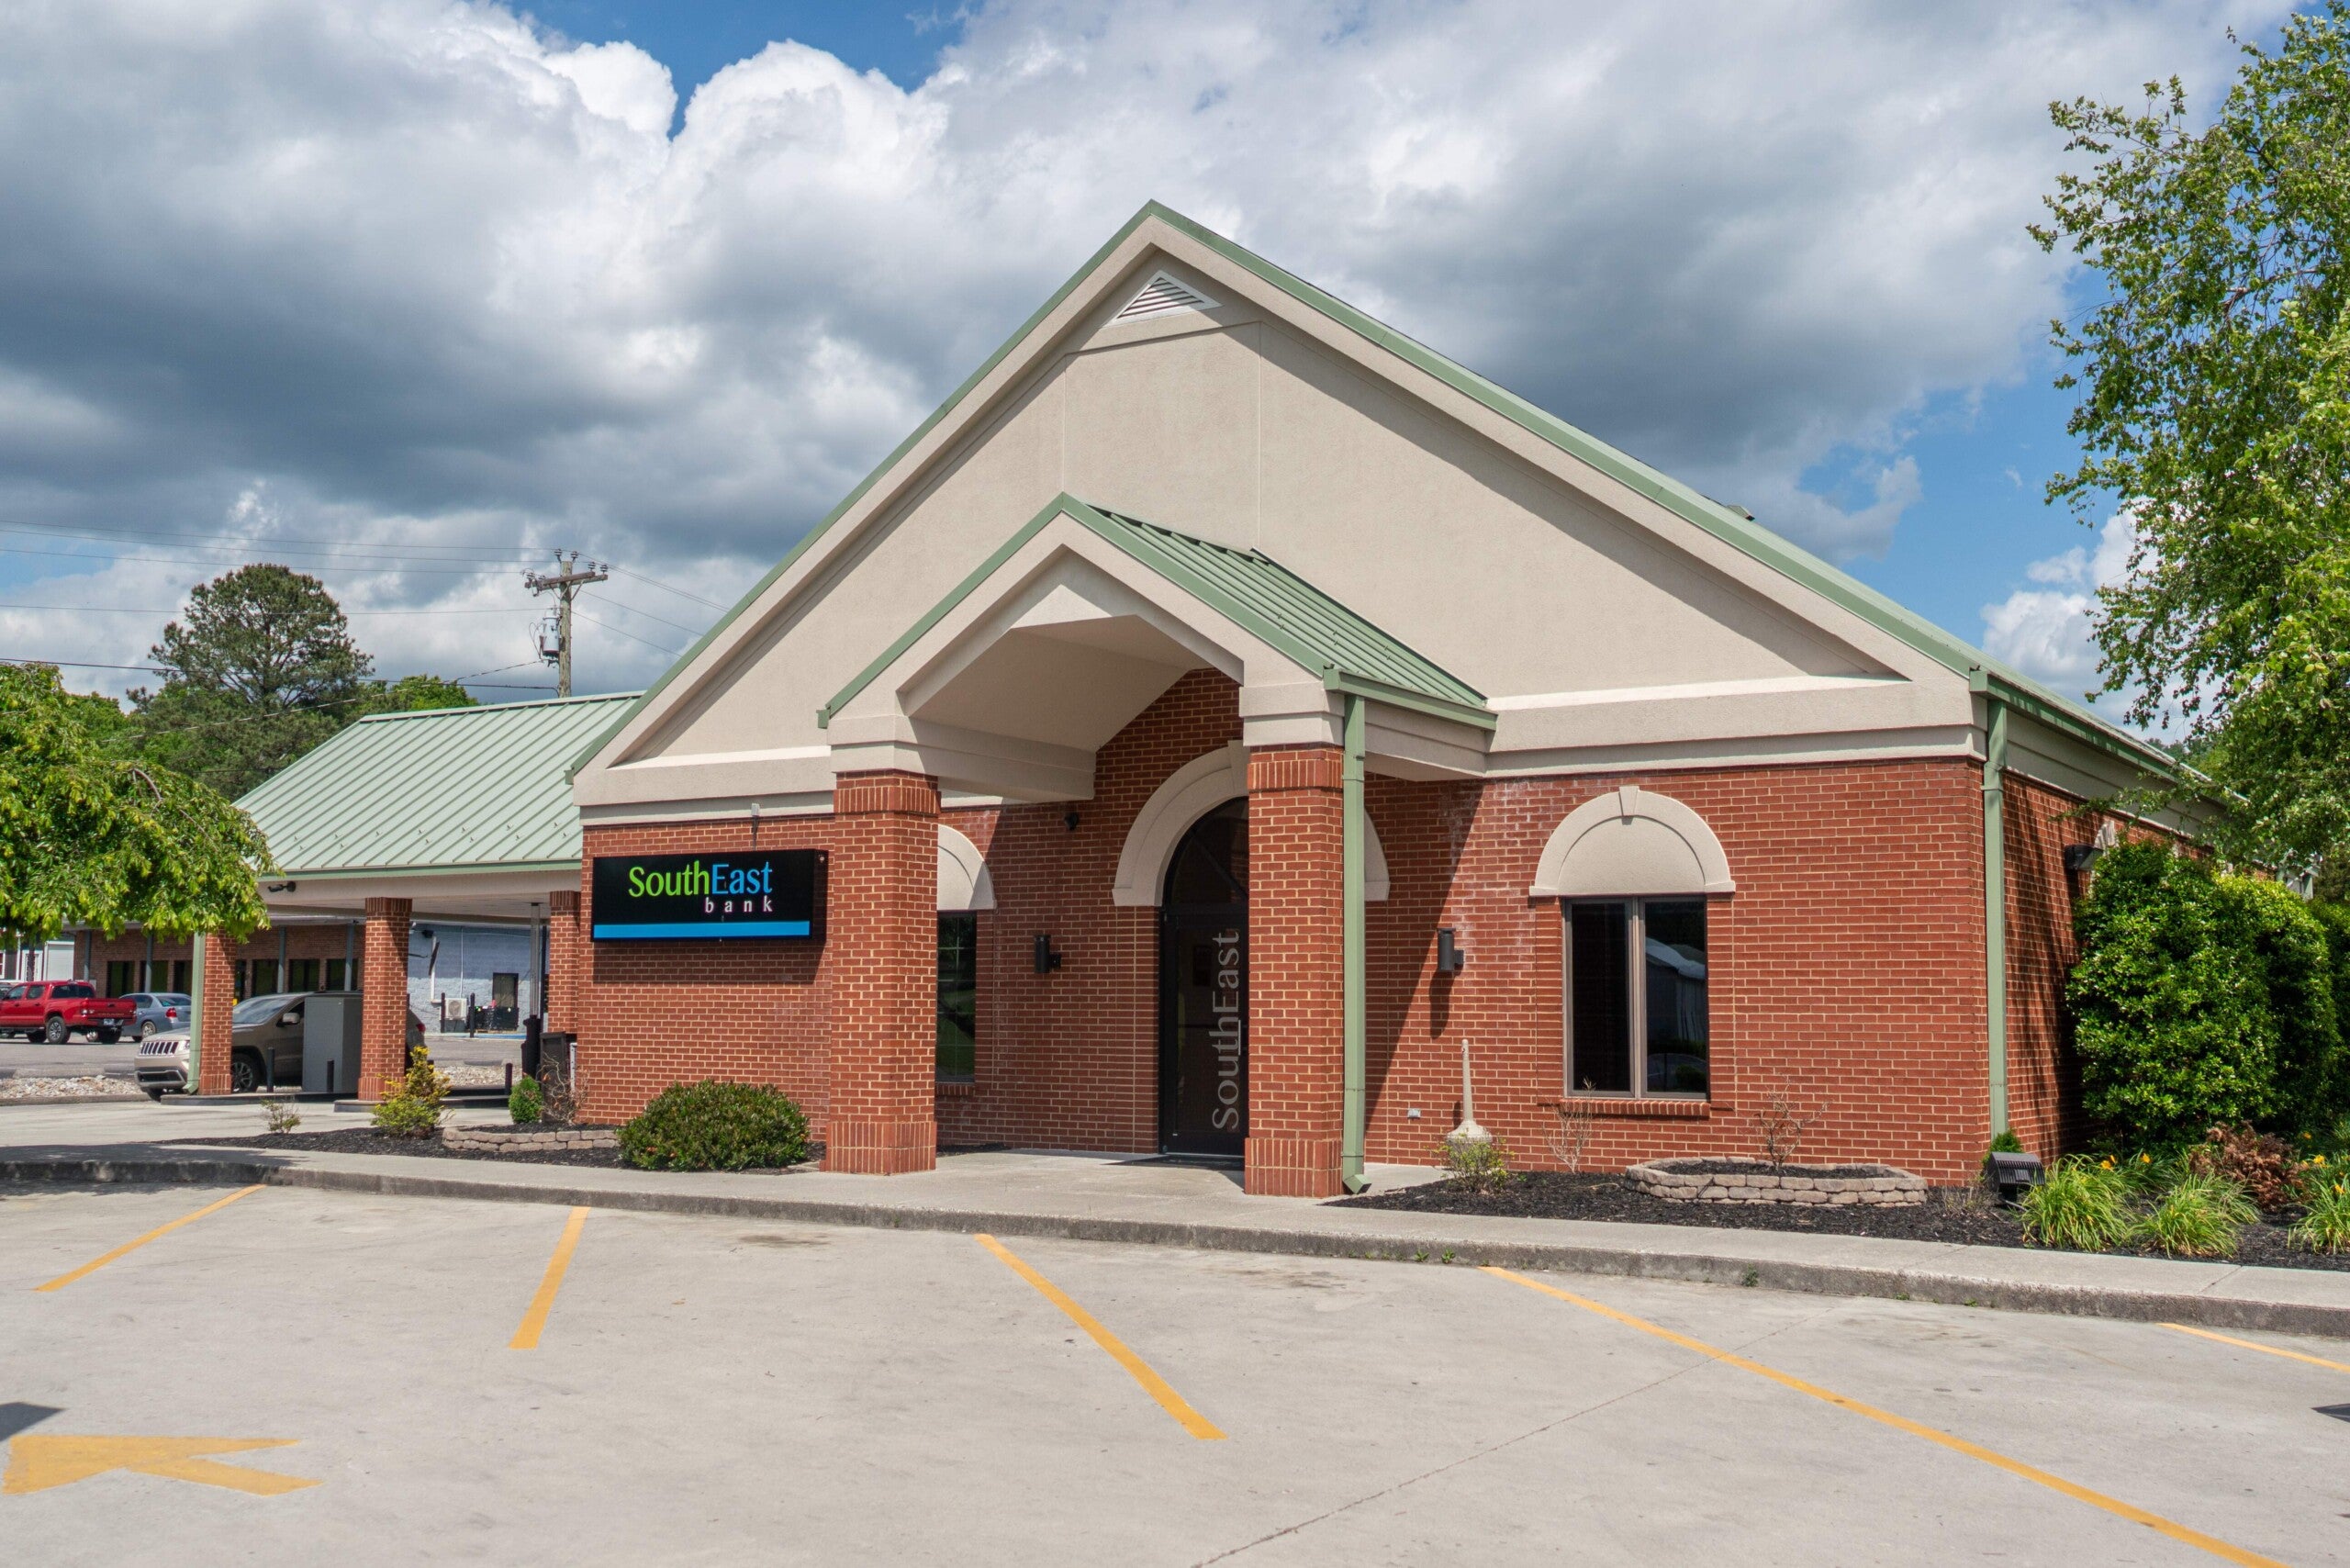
x: 521, y: 1383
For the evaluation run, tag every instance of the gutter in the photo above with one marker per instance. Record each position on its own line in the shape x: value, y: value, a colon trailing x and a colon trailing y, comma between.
x: 1353, y: 982
x: 1995, y: 902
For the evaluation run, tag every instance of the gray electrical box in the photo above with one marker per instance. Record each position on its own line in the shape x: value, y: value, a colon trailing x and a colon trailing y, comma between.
x: 330, y: 1042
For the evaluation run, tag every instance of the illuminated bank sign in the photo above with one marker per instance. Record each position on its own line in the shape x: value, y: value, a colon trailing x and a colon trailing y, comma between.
x: 644, y: 898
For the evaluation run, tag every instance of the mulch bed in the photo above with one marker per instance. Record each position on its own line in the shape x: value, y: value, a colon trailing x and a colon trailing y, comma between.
x: 1967, y: 1215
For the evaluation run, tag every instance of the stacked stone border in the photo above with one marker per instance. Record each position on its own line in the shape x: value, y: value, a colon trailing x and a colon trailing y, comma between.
x: 1681, y: 1181
x: 494, y: 1141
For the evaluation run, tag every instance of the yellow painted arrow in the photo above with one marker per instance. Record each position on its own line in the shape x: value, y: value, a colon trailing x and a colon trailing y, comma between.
x: 36, y: 1462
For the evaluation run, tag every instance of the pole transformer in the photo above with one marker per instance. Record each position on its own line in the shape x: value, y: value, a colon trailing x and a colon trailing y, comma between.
x: 565, y: 581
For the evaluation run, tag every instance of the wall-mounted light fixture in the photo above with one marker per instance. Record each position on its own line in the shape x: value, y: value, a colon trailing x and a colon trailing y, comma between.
x: 1450, y: 955
x: 1070, y: 821
x: 2079, y: 857
x: 1047, y: 959
x: 279, y: 887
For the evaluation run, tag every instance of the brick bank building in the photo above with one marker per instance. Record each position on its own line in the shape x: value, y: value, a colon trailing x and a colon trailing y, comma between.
x: 1225, y: 715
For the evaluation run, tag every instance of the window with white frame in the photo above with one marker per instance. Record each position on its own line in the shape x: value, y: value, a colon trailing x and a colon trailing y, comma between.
x: 1638, y: 1016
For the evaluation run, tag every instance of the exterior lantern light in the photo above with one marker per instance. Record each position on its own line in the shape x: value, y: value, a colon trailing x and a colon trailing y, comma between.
x: 1047, y: 959
x: 2080, y: 858
x: 1450, y: 955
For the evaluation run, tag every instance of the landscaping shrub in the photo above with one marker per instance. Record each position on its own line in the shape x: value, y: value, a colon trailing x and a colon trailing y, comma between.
x: 2199, y: 1216
x: 1474, y: 1165
x: 2326, y: 1227
x: 713, y: 1126
x: 2080, y: 1203
x: 2006, y: 1142
x: 413, y: 1109
x: 522, y: 1102
x: 2262, y: 1165
x: 2200, y: 998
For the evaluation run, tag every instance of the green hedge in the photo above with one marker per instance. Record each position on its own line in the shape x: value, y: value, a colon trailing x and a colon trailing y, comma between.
x: 2201, y: 997
x: 713, y: 1126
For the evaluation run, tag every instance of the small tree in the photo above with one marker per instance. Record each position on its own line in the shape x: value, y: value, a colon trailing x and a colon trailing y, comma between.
x: 89, y: 838
x: 411, y: 1107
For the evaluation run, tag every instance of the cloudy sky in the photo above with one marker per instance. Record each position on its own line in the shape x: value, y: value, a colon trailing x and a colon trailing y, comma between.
x: 410, y: 293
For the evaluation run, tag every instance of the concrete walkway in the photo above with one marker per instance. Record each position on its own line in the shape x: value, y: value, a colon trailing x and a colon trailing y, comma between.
x: 1114, y: 1198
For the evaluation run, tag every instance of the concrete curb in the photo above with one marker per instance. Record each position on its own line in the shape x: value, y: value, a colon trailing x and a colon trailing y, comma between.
x: 1395, y: 1245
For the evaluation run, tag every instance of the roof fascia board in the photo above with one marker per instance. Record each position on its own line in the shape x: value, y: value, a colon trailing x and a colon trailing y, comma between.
x: 2027, y: 700
x: 475, y: 868
x: 1060, y: 299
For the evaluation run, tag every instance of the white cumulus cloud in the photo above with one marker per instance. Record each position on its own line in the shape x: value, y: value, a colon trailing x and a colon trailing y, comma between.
x: 430, y: 274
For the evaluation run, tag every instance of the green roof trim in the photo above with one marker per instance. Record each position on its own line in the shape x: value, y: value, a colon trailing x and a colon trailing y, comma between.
x: 1250, y: 589
x: 441, y: 790
x: 1733, y: 528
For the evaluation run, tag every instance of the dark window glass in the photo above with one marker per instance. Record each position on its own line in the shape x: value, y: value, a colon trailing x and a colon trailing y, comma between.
x: 302, y: 974
x: 179, y: 974
x: 1598, y: 962
x: 958, y: 995
x: 74, y: 994
x: 1211, y: 865
x: 1673, y: 958
x: 338, y: 975
x: 122, y: 974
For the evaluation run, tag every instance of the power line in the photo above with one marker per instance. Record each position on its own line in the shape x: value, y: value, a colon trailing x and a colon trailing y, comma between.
x: 183, y: 561
x: 175, y: 610
x: 82, y: 664
x: 236, y: 541
x: 630, y: 635
x: 617, y: 604
x: 681, y: 593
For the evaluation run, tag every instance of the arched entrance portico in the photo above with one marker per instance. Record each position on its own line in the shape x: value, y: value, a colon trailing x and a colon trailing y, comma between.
x: 1204, y: 989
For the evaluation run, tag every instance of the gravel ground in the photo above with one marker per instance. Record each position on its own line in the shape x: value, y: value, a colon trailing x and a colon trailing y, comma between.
x: 69, y: 1088
x: 1963, y: 1214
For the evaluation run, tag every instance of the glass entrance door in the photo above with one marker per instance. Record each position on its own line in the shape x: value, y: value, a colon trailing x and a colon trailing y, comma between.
x: 1204, y: 989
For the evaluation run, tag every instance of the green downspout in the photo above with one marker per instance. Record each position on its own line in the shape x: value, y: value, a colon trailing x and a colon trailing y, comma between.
x: 1353, y: 983
x: 194, y: 1009
x: 1994, y: 903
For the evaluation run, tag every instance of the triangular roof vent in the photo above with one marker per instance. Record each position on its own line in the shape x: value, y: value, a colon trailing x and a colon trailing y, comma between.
x: 1161, y: 295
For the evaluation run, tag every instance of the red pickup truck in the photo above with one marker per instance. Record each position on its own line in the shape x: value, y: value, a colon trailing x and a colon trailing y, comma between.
x: 56, y: 1010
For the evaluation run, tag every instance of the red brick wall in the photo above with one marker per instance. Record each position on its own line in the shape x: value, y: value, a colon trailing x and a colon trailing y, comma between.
x: 652, y: 1014
x: 2043, y: 1076
x: 383, y: 997
x: 219, y: 1023
x: 1297, y: 954
x: 1846, y: 970
x: 882, y: 951
x: 564, y: 953
x: 1071, y: 1060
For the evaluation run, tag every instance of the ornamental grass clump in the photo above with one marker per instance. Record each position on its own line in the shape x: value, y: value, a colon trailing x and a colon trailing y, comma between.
x: 2199, y: 1216
x: 2080, y: 1203
x: 2326, y: 1227
x: 713, y: 1125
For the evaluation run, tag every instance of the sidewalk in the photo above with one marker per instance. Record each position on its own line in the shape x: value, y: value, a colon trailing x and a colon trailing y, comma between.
x: 1112, y: 1198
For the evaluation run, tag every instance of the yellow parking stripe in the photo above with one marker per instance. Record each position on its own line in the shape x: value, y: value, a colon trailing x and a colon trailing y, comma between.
x: 1199, y: 1425
x: 2156, y: 1522
x: 2268, y: 1350
x: 526, y: 1338
x: 95, y: 1264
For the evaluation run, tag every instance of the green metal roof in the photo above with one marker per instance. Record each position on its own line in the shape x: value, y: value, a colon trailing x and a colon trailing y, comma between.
x: 1731, y: 526
x: 446, y: 789
x: 1253, y: 590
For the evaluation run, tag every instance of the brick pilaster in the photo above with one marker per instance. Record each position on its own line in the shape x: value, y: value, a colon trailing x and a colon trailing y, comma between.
x: 881, y: 952
x: 219, y: 1023
x: 1297, y: 952
x: 561, y: 1006
x: 383, y: 996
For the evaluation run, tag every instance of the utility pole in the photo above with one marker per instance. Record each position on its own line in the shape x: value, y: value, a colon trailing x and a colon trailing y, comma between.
x: 568, y: 579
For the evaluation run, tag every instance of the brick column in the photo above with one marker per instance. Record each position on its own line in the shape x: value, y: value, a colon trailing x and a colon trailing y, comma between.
x: 1296, y: 963
x: 561, y: 1006
x: 881, y: 955
x: 219, y: 1023
x: 383, y: 996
